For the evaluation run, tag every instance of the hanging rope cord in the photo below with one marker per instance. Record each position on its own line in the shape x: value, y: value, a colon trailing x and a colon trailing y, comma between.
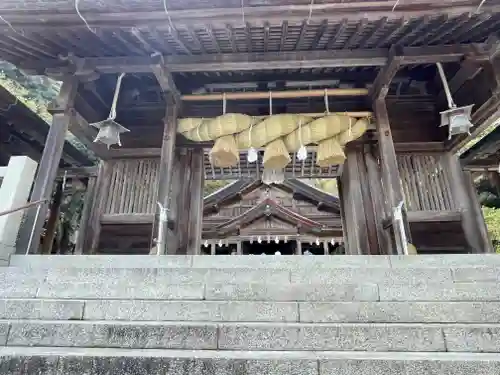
x: 77, y: 8
x: 10, y: 26
x: 168, y: 14
x: 112, y: 112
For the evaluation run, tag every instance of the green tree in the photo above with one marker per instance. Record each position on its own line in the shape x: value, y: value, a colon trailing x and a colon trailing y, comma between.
x: 492, y: 219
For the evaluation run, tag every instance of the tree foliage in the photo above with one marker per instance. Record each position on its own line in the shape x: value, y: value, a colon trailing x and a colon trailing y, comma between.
x: 492, y: 219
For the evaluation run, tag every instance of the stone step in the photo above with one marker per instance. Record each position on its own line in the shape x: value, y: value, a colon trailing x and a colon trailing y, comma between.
x: 228, y: 275
x: 282, y: 262
x: 251, y: 311
x: 152, y: 288
x: 96, y: 361
x: 299, y: 275
x: 254, y: 336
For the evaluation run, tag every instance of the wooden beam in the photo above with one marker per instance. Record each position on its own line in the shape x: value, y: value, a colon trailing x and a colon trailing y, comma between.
x: 125, y: 153
x: 78, y: 172
x: 380, y: 87
x: 428, y: 217
x: 108, y: 219
x: 219, y: 17
x: 289, y: 94
x: 412, y: 147
x: 270, y: 60
x: 29, y: 237
x: 468, y: 70
x: 164, y: 77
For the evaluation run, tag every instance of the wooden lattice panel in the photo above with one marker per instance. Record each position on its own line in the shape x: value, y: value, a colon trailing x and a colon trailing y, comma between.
x: 133, y: 186
x: 245, y: 169
x: 425, y: 181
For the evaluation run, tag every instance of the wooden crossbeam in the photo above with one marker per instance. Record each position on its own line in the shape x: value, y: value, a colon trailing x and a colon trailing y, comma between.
x: 487, y: 114
x: 270, y: 60
x: 369, y: 10
x: 468, y: 70
x: 164, y: 77
x: 380, y: 87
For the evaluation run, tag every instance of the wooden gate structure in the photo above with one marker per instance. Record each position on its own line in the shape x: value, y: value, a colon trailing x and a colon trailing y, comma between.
x: 373, y: 56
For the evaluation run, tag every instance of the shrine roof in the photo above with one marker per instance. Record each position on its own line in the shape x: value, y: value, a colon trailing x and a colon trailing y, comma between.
x: 485, y: 153
x: 235, y: 190
x: 44, y: 30
x: 23, y: 132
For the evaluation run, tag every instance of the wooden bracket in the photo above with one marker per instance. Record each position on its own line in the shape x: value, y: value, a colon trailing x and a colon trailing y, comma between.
x: 381, y: 85
x: 164, y: 76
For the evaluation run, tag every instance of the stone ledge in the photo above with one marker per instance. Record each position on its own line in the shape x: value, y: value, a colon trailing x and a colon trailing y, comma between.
x: 251, y: 311
x: 255, y: 336
x: 93, y: 361
x: 266, y: 262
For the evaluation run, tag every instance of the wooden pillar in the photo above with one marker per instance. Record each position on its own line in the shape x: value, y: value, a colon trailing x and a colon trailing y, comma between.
x: 465, y: 198
x: 86, y: 215
x: 298, y: 250
x: 51, y: 227
x: 212, y: 248
x: 176, y: 193
x: 239, y: 250
x: 196, y: 185
x: 390, y: 174
x: 182, y: 219
x: 29, y: 236
x: 356, y: 231
x: 166, y: 163
x: 100, y: 197
x: 373, y: 180
x: 325, y: 247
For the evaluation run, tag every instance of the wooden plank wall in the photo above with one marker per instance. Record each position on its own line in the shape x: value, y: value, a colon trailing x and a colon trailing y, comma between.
x: 426, y: 182
x: 133, y: 187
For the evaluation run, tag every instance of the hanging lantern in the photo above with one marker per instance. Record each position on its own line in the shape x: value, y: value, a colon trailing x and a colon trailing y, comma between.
x: 333, y: 241
x: 206, y: 243
x: 220, y: 243
x: 286, y: 239
x: 458, y: 119
x: 259, y: 239
x: 277, y: 239
x: 109, y: 129
x: 317, y: 241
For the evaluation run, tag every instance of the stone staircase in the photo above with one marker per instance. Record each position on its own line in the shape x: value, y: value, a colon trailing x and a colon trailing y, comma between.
x: 250, y: 315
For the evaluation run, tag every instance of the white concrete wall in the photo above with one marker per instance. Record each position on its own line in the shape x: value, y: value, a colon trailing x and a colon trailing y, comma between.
x: 15, y: 188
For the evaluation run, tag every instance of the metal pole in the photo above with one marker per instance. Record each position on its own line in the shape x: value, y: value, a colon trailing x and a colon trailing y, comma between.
x: 162, y: 231
x: 291, y: 94
x: 400, y: 227
x: 33, y: 229
x: 451, y: 104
